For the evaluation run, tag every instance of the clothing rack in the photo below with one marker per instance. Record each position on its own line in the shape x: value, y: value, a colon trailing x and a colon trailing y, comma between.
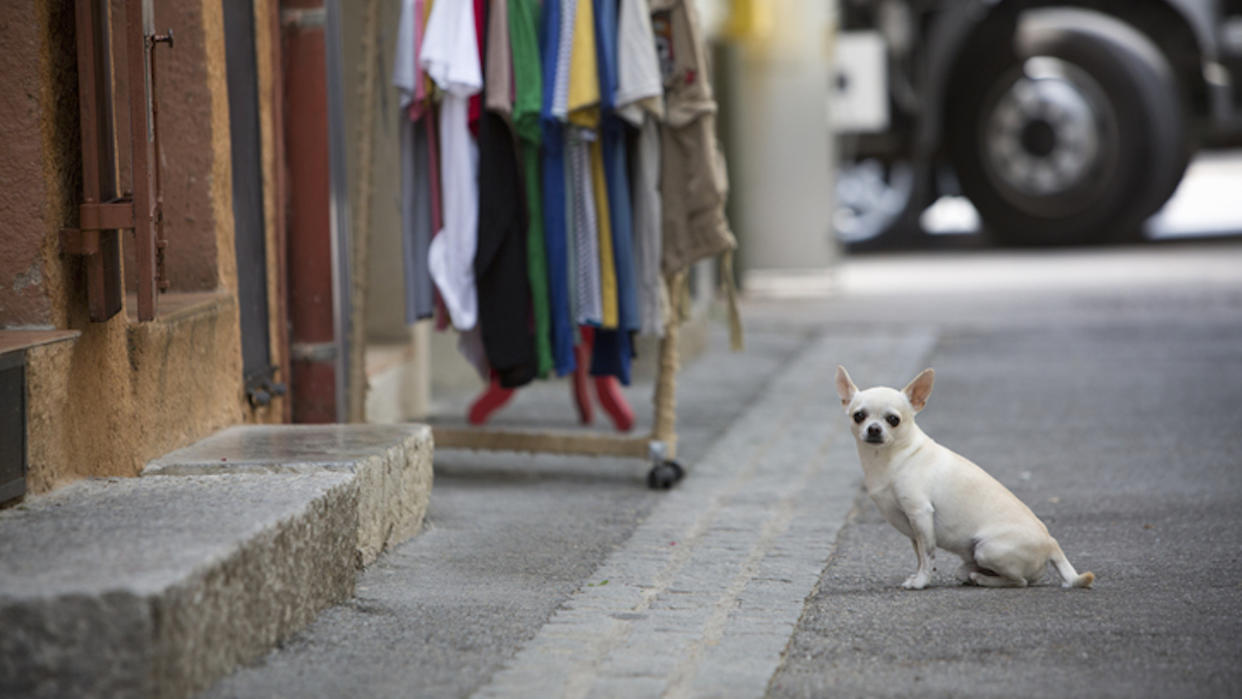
x: 658, y: 446
x: 555, y: 72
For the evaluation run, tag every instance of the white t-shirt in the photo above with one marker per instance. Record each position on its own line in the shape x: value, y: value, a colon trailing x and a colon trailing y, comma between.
x: 639, y: 82
x: 640, y: 101
x: 450, y: 51
x: 450, y: 55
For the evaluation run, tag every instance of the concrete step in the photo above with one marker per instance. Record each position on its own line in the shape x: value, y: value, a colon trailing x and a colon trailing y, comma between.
x: 391, y: 463
x: 159, y: 585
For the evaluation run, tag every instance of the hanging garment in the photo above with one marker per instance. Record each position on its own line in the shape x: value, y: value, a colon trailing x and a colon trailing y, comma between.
x: 555, y: 51
x: 498, y: 66
x: 427, y: 89
x: 653, y: 298
x: 430, y: 122
x: 470, y: 347
x: 616, y: 170
x: 407, y: 74
x: 528, y: 95
x: 605, y: 43
x: 583, y: 214
x: 426, y: 95
x: 612, y: 351
x: 693, y: 185
x: 500, y: 264
x: 693, y: 179
x: 612, y: 138
x: 415, y: 220
x: 640, y: 87
x: 603, y: 233
x: 612, y: 354
x: 415, y: 189
x: 583, y: 69
x: 640, y: 101
x: 450, y: 56
x: 556, y: 244
x: 561, y: 39
x: 475, y: 103
x: 500, y: 269
x: 583, y: 229
x: 528, y: 77
x: 572, y: 206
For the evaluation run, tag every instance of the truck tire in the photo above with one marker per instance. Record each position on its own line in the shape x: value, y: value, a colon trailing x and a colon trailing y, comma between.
x: 878, y: 204
x: 1071, y: 133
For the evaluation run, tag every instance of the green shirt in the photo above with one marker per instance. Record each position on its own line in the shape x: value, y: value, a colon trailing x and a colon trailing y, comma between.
x: 528, y: 99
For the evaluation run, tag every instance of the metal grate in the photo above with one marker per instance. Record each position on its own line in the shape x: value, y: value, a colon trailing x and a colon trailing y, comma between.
x: 12, y: 426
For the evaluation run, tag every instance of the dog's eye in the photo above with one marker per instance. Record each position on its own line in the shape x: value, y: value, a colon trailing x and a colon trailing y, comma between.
x: 860, y: 416
x: 894, y: 420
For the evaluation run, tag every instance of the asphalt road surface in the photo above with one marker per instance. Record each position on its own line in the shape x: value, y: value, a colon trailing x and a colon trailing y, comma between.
x: 1103, y: 386
x: 1110, y: 403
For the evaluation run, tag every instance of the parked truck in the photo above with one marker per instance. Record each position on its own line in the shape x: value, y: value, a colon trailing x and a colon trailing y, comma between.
x: 1061, y: 122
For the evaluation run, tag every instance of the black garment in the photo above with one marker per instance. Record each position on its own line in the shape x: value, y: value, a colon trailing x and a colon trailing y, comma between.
x: 500, y: 258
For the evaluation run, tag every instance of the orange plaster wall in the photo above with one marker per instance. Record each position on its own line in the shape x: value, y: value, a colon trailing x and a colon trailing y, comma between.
x: 123, y: 392
x: 39, y: 156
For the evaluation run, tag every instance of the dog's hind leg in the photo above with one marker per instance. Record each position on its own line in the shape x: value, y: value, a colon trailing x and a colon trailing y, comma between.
x: 999, y: 563
x: 984, y: 580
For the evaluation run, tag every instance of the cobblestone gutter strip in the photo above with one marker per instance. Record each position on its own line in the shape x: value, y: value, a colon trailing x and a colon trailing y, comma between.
x: 703, y: 597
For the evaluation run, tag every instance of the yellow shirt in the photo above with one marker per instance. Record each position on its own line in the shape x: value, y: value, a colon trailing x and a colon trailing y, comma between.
x: 583, y: 70
x: 607, y: 267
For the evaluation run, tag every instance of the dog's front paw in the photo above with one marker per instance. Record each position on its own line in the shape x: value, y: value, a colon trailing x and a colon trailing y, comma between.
x: 918, y: 581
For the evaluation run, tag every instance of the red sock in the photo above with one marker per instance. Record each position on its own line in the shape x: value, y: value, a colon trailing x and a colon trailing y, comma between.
x: 491, y: 400
x: 614, y: 402
x: 579, y: 386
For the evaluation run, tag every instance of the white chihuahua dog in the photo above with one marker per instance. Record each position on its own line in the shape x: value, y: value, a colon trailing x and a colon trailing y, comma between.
x: 938, y: 498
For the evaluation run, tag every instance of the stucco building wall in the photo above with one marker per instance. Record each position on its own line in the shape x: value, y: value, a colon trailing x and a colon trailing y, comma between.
x: 124, y: 392
x: 39, y: 158
x: 127, y: 392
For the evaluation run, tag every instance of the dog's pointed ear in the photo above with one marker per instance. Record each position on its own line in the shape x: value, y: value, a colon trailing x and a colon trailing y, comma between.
x: 845, y: 386
x: 919, y: 390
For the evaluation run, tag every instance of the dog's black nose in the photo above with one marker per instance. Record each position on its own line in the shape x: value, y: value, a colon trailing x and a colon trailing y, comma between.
x: 874, y: 431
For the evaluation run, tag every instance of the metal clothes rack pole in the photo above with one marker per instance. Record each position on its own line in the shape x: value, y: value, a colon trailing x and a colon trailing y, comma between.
x: 659, y: 446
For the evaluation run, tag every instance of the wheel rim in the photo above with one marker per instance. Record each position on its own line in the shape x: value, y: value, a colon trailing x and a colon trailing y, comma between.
x: 1049, y: 137
x: 870, y: 198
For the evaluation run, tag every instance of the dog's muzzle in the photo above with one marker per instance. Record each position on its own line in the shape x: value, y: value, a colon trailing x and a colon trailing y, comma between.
x: 875, y: 435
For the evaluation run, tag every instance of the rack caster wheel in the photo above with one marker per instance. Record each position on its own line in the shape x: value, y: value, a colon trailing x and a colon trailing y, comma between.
x: 664, y: 475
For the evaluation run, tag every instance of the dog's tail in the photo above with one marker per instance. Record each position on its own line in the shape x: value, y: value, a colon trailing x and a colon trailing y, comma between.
x: 1069, y: 576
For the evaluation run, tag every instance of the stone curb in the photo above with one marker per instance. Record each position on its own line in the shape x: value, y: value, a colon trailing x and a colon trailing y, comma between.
x: 155, y: 587
x: 391, y: 463
x: 158, y: 586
